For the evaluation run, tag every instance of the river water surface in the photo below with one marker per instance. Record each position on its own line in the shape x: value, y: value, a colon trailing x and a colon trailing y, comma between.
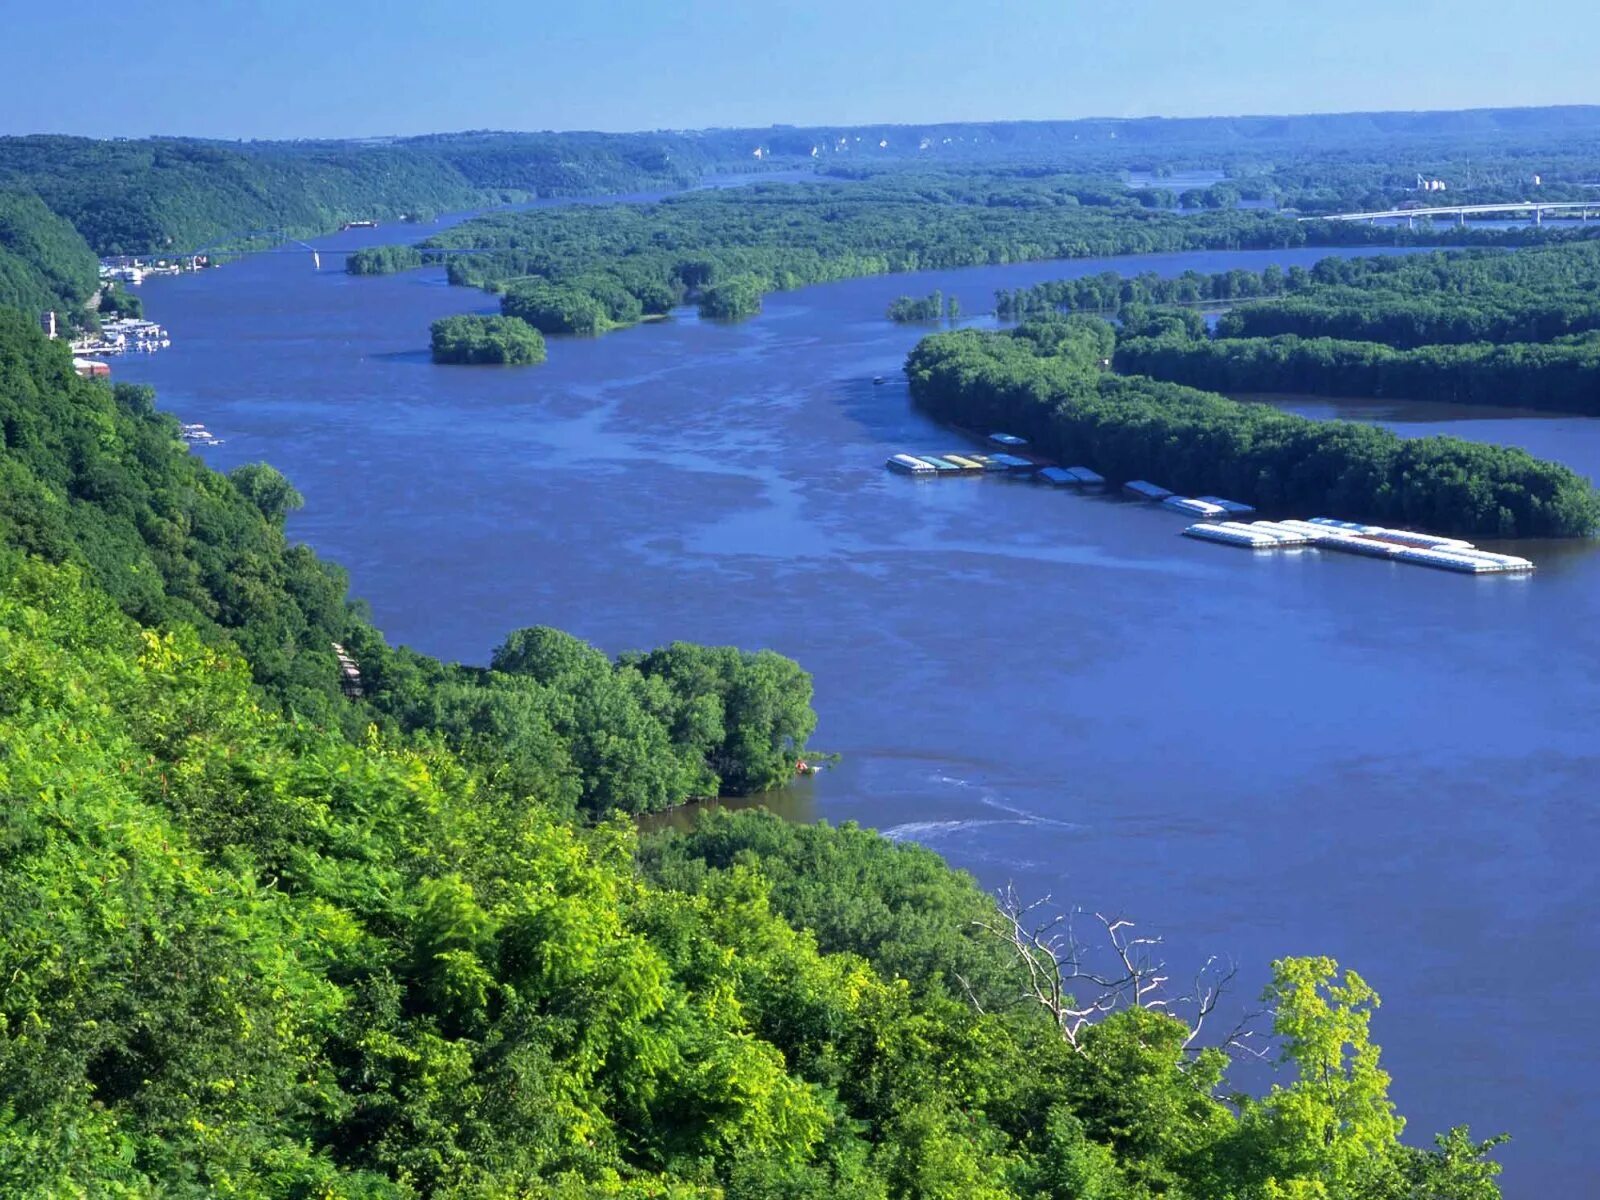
x: 1250, y: 755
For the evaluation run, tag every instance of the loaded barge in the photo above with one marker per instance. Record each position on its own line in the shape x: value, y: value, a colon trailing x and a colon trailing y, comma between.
x: 1373, y: 541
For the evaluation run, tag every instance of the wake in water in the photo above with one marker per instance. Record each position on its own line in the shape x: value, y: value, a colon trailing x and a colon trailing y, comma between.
x: 927, y: 831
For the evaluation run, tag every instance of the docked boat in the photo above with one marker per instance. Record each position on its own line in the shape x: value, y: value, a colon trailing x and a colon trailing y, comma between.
x: 905, y: 464
x: 1145, y: 490
x: 1233, y: 507
x: 1014, y: 462
x: 1233, y: 535
x: 1194, y: 508
x: 1007, y: 439
x: 965, y: 463
x: 1057, y: 477
x: 989, y: 462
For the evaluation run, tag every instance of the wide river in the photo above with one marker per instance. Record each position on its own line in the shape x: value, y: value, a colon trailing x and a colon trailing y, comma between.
x: 1251, y: 755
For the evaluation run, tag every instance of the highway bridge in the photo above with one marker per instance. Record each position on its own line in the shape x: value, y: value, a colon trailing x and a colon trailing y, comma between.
x: 1521, y: 208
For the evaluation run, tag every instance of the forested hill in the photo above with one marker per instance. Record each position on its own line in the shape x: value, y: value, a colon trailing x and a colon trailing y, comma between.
x: 44, y: 262
x: 175, y: 194
x: 179, y: 194
x: 262, y: 940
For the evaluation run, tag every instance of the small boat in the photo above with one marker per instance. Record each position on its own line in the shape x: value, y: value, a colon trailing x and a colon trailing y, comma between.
x: 962, y: 461
x: 1195, y: 508
x: 1058, y: 477
x: 1235, y: 507
x: 878, y: 379
x: 1007, y: 439
x: 1146, y: 490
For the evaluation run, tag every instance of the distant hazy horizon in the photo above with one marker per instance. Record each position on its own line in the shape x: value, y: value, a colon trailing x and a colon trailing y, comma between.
x: 976, y: 122
x: 297, y: 70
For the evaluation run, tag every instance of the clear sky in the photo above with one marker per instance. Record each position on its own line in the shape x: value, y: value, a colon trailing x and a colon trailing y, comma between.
x: 295, y: 68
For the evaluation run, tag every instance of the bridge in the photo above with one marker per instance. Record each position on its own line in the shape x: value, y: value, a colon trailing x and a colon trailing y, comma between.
x: 1521, y: 208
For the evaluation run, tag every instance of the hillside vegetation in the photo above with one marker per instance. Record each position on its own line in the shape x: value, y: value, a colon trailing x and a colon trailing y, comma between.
x: 265, y: 941
x: 44, y: 263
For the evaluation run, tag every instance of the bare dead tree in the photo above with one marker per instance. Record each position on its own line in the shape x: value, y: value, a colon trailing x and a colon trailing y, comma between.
x: 1060, y: 978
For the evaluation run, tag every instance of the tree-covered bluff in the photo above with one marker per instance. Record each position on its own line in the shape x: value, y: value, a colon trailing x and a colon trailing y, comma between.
x: 44, y: 263
x: 1043, y: 380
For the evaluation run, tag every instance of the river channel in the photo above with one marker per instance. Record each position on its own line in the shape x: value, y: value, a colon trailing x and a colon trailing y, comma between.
x: 1250, y: 755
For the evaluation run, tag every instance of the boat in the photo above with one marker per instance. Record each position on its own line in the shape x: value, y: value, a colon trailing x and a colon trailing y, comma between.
x: 965, y: 463
x: 1145, y: 490
x: 1007, y: 439
x: 878, y: 379
x: 1089, y: 480
x: 1235, y: 507
x: 1014, y: 462
x: 939, y: 464
x: 1194, y: 508
x: 989, y: 462
x: 905, y: 464
x: 1058, y: 477
x: 1232, y: 535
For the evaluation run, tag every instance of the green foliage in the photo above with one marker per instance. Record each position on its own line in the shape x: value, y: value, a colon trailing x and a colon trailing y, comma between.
x: 94, y: 475
x: 733, y: 298
x: 555, y: 309
x: 897, y: 905
x: 180, y: 194
x: 1532, y: 295
x: 1561, y: 375
x: 44, y: 263
x: 479, y: 339
x: 590, y: 268
x: 383, y: 260
x: 1042, y: 381
x: 908, y: 309
x: 119, y: 302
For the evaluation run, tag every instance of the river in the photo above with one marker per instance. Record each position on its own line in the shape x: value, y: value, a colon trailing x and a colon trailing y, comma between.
x: 1250, y: 755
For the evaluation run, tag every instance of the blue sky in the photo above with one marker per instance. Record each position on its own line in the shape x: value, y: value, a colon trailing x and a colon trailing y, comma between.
x: 294, y: 68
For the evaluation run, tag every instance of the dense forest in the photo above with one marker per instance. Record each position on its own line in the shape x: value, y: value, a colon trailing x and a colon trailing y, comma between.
x: 935, y: 306
x: 1043, y: 380
x: 264, y: 939
x: 179, y: 194
x: 1471, y: 327
x: 44, y: 264
x: 480, y: 339
x: 588, y: 269
x: 1562, y: 375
